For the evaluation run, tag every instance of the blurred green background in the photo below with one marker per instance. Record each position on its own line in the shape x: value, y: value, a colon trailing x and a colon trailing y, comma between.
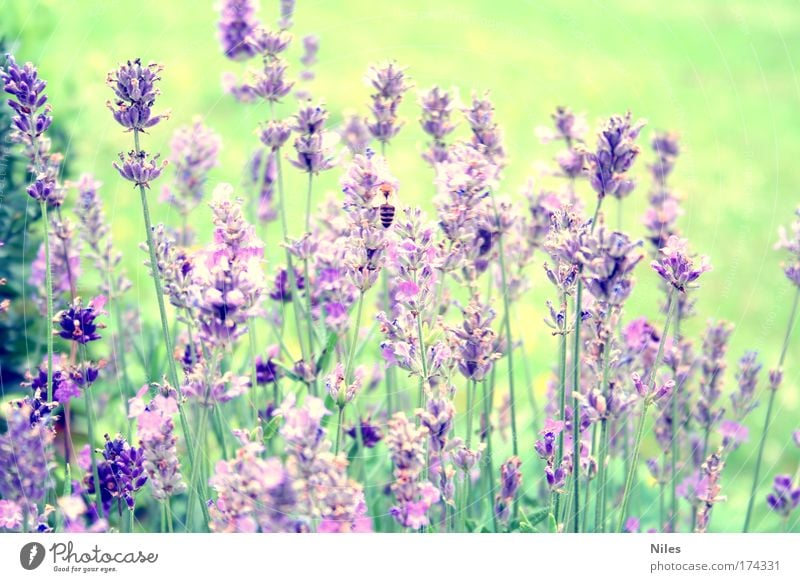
x: 722, y: 74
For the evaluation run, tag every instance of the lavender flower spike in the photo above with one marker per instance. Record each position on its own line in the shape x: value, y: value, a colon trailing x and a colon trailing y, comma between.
x: 677, y: 267
x: 138, y: 168
x: 614, y: 156
x: 28, y: 100
x: 236, y: 22
x: 789, y: 240
x: 134, y: 86
x: 25, y: 456
x: 785, y: 496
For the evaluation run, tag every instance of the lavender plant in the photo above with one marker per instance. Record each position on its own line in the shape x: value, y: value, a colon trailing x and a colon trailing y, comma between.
x: 415, y: 429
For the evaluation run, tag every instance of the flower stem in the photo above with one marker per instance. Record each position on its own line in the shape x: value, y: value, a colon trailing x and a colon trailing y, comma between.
x: 768, y: 417
x: 602, y: 476
x: 351, y: 354
x: 339, y: 423
x: 49, y: 291
x: 172, y: 368
x: 487, y: 408
x: 87, y: 396
x: 509, y: 341
x: 576, y: 387
x: 562, y: 391
x: 673, y: 515
x: 576, y: 421
x: 309, y: 315
x: 295, y: 293
x: 470, y: 406
x: 643, y: 418
x: 251, y: 336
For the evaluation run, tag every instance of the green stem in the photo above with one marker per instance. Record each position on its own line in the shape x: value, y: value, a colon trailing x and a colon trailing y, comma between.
x: 87, y: 397
x: 251, y: 335
x: 562, y: 390
x: 168, y: 511
x: 602, y: 473
x: 470, y: 405
x: 673, y: 516
x: 487, y: 409
x: 162, y: 310
x: 509, y: 342
x: 289, y: 263
x: 351, y: 354
x: 643, y: 418
x: 195, y: 465
x: 576, y: 425
x: 768, y: 417
x: 49, y: 291
x: 339, y: 423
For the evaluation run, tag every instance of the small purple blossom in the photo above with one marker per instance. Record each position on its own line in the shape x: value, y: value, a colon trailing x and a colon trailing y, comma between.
x: 78, y: 323
x: 28, y: 100
x: 785, y: 496
x: 139, y: 168
x: 677, y: 267
x: 135, y: 92
x: 237, y: 21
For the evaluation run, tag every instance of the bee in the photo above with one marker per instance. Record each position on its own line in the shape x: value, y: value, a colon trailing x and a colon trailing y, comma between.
x: 386, y: 210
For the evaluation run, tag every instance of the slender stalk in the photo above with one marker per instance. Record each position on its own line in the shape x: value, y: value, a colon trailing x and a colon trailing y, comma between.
x: 49, y: 292
x: 351, y: 354
x: 673, y: 515
x: 470, y: 406
x: 602, y: 471
x: 295, y: 293
x: 87, y: 397
x: 576, y: 385
x: 643, y: 418
x: 168, y: 513
x: 339, y: 423
x: 602, y: 476
x: 309, y: 316
x: 509, y: 342
x: 487, y: 409
x: 195, y: 465
x: 562, y: 390
x: 424, y: 358
x: 251, y: 336
x: 162, y: 310
x: 576, y: 424
x: 768, y: 417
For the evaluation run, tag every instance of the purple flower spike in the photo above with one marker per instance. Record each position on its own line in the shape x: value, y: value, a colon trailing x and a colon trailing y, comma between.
x: 510, y: 481
x: 614, y: 156
x: 78, y: 322
x: 25, y: 456
x: 134, y: 87
x: 237, y: 22
x: 437, y: 107
x: 390, y: 84
x: 139, y: 168
x: 312, y: 144
x: 371, y: 434
x: 32, y: 115
x: 789, y: 240
x: 785, y: 496
x: 677, y: 267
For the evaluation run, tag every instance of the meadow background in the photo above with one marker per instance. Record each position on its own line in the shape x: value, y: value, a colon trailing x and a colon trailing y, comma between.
x: 722, y: 74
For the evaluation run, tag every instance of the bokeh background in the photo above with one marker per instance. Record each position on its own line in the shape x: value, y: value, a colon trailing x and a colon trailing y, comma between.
x: 722, y: 74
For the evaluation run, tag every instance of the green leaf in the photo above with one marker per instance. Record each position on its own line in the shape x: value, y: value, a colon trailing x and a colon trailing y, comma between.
x: 325, y: 357
x: 552, y: 525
